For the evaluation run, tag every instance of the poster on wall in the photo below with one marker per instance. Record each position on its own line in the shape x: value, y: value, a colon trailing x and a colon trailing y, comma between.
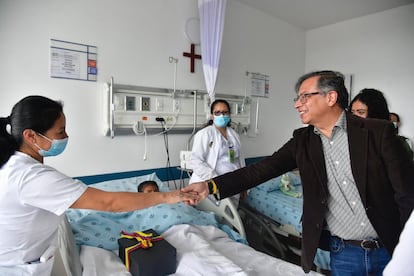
x: 259, y: 84
x: 69, y: 60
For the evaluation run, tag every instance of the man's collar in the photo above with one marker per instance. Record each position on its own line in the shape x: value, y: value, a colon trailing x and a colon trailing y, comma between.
x: 340, y: 123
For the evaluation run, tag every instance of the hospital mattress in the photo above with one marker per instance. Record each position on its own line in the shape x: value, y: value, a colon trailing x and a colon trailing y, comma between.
x: 276, y: 205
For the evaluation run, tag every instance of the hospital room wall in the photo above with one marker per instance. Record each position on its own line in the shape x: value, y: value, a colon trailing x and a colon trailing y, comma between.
x: 377, y: 50
x: 135, y: 39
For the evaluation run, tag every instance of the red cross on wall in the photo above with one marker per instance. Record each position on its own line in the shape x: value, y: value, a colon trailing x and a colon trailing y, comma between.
x: 192, y: 55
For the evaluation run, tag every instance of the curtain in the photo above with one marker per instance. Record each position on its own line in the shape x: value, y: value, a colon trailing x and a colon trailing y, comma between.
x: 211, y: 32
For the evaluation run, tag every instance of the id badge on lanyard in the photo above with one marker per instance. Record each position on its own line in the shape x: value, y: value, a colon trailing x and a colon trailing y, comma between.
x: 231, y: 154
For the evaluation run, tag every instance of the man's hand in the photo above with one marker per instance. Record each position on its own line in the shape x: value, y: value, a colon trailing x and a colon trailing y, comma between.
x: 198, y: 188
x: 180, y: 196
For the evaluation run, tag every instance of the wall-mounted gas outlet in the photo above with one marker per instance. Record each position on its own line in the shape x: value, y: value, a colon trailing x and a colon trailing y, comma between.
x: 176, y: 105
x: 145, y: 104
x: 159, y: 104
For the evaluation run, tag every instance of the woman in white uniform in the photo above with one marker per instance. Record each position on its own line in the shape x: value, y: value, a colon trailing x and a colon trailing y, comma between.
x: 216, y: 148
x: 34, y: 196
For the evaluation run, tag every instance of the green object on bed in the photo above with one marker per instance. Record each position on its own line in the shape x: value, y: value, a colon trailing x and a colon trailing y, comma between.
x: 287, y: 188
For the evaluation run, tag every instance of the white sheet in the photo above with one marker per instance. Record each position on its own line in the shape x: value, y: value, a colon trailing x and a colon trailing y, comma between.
x: 201, y: 250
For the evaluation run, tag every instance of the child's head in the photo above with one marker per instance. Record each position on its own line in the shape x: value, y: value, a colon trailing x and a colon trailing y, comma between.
x: 148, y: 186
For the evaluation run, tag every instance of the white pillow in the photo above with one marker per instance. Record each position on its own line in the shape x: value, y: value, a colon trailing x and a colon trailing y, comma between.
x: 129, y: 184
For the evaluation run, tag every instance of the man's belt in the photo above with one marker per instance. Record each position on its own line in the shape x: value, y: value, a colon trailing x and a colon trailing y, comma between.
x: 365, y: 244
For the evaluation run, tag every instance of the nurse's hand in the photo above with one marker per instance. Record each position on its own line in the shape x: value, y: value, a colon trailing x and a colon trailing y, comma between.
x: 199, y: 188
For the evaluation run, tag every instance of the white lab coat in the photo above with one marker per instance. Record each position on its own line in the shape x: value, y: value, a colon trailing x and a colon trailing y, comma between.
x: 208, y: 145
x: 401, y: 263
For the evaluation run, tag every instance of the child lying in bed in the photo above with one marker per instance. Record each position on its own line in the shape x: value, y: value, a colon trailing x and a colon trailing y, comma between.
x: 148, y: 186
x: 102, y: 229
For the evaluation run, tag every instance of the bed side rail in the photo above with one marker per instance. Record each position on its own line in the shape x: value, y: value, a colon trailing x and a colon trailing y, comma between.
x: 259, y: 235
x: 226, y: 210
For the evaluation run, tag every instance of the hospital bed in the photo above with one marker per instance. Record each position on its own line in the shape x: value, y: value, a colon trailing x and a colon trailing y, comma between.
x: 272, y: 219
x: 208, y: 242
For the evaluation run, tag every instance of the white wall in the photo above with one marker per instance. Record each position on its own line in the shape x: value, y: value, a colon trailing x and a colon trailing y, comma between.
x: 255, y: 42
x: 378, y: 50
x: 134, y: 40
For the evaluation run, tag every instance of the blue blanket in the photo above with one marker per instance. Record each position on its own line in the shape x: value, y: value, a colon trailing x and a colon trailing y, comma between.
x: 102, y: 229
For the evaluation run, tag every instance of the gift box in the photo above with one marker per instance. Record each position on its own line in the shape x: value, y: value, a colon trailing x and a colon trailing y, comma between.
x: 147, y: 253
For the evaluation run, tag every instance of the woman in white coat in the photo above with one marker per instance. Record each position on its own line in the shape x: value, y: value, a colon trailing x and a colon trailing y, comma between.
x: 216, y: 148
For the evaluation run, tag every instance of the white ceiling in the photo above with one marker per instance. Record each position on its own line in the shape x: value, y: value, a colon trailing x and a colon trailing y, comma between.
x: 310, y: 14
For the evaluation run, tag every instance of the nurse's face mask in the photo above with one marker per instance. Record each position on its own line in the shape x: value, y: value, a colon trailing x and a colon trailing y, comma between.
x: 221, y: 121
x: 221, y: 118
x: 56, y: 148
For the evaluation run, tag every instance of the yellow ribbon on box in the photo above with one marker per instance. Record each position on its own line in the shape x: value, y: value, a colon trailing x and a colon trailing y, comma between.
x: 145, y: 241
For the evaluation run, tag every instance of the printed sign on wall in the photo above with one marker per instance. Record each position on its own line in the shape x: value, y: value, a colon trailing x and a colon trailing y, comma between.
x: 259, y: 84
x: 70, y: 60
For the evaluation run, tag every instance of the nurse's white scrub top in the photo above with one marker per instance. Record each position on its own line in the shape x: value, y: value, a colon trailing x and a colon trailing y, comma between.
x: 33, y: 198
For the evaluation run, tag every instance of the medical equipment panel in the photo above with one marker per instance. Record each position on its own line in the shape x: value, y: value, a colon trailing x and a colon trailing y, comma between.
x: 133, y: 109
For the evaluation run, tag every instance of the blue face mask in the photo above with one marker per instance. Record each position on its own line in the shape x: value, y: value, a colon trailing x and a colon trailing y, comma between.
x: 57, y: 147
x: 221, y: 121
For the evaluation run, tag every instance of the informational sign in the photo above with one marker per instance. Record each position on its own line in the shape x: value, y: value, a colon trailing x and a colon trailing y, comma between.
x: 259, y: 84
x: 69, y: 60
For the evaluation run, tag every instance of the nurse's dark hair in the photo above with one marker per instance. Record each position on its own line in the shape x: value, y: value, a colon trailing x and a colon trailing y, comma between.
x: 32, y: 112
x: 328, y: 81
x: 213, y: 104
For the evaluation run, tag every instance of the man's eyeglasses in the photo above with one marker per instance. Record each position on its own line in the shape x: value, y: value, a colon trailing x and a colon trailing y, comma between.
x: 305, y: 96
x: 218, y: 113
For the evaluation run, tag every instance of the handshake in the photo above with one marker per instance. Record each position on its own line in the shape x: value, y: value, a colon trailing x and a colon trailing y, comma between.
x: 193, y: 193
